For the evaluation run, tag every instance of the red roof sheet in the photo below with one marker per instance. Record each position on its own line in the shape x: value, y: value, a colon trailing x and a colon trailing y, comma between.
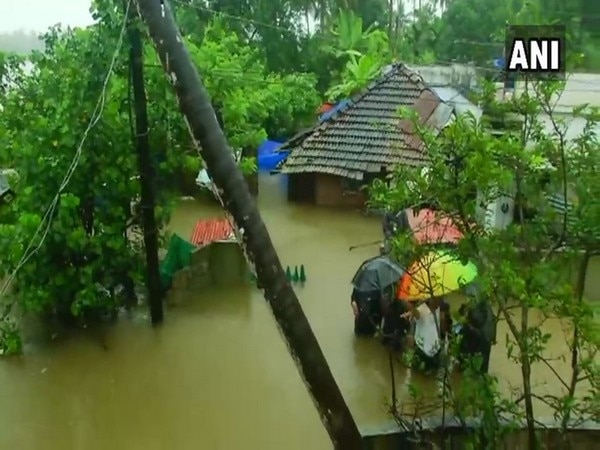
x: 430, y: 227
x: 211, y: 230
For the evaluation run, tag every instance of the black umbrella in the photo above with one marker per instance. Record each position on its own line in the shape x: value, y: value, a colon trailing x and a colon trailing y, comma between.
x: 377, y: 274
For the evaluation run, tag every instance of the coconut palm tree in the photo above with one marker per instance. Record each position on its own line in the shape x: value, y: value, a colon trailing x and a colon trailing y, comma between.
x: 195, y: 104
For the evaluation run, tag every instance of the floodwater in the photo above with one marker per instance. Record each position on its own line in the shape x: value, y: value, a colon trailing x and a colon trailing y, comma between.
x: 218, y: 374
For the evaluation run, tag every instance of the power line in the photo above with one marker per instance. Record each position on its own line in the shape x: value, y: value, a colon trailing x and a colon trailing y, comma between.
x: 49, y: 214
x: 191, y: 4
x: 246, y: 20
x: 238, y: 233
x: 188, y: 4
x: 263, y: 78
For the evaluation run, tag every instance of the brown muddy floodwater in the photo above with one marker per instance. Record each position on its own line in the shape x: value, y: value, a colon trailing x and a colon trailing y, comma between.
x: 218, y: 375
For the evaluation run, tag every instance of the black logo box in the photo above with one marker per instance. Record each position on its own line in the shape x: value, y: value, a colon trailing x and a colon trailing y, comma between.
x: 526, y: 32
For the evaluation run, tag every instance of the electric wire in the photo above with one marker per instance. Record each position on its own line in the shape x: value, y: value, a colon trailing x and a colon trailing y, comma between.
x: 194, y: 5
x: 287, y: 31
x: 261, y: 78
x: 238, y: 233
x: 49, y: 214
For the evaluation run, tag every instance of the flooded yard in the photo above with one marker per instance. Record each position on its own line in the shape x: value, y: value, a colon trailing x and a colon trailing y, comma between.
x: 218, y: 375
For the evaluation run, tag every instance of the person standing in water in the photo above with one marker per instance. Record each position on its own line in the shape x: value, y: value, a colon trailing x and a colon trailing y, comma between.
x: 431, y: 323
x: 367, y: 310
x: 477, y: 331
x: 396, y: 326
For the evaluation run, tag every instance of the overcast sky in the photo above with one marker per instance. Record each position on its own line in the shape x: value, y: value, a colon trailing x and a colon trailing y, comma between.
x: 38, y: 15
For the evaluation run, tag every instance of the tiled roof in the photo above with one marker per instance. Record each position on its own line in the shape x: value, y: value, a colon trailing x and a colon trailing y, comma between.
x: 429, y: 227
x: 367, y: 134
x: 211, y: 230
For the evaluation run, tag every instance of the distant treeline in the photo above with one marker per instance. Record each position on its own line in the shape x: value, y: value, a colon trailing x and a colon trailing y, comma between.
x: 20, y: 41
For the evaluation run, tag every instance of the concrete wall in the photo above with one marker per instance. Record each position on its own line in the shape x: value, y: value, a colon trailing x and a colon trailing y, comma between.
x: 217, y: 264
x: 324, y: 190
x: 551, y: 440
x: 583, y: 437
x: 456, y: 75
x: 580, y: 89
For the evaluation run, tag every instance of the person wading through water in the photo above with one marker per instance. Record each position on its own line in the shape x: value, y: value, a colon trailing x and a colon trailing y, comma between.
x: 477, y: 331
x: 367, y: 308
x: 396, y: 326
x: 431, y: 324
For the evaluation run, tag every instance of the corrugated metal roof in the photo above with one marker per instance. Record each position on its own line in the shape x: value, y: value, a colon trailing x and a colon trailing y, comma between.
x: 212, y: 230
x: 430, y: 227
x: 457, y: 100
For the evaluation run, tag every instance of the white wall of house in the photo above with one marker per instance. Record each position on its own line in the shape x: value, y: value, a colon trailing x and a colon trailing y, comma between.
x: 580, y: 89
x: 453, y: 75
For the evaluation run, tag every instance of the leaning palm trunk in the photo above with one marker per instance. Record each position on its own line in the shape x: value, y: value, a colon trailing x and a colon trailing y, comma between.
x: 195, y: 104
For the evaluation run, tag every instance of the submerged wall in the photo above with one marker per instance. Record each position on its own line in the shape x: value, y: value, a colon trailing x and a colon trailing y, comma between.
x: 216, y: 264
x: 582, y: 437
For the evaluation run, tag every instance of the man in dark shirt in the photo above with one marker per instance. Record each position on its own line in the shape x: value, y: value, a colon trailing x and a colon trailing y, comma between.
x: 395, y: 325
x: 478, y: 333
x: 366, y: 307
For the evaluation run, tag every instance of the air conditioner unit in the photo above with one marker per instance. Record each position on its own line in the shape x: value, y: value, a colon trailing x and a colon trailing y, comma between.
x: 497, y: 214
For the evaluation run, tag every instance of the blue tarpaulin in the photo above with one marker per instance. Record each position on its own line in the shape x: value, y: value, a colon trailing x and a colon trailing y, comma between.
x: 269, y: 156
x: 268, y: 147
x: 268, y: 152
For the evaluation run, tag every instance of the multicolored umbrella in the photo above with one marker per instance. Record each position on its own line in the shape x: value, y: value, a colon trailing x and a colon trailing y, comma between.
x: 435, y: 274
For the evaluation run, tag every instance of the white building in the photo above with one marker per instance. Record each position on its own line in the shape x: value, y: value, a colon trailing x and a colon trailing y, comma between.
x: 580, y: 89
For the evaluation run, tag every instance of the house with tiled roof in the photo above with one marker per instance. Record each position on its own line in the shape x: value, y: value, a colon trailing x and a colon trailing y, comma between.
x: 365, y: 138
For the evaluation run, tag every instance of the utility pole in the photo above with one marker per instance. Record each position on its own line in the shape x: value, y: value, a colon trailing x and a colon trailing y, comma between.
x: 146, y: 171
x: 195, y: 104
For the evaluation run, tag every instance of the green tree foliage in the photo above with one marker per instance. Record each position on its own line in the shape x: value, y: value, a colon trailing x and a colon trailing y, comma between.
x: 45, y: 115
x: 364, y: 52
x: 473, y: 30
x: 525, y: 268
x: 272, y: 27
x: 246, y: 94
x: 294, y: 35
x: 84, y: 246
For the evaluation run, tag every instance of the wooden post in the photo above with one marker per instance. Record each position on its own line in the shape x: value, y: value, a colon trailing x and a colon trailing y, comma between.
x: 146, y: 171
x: 194, y: 103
